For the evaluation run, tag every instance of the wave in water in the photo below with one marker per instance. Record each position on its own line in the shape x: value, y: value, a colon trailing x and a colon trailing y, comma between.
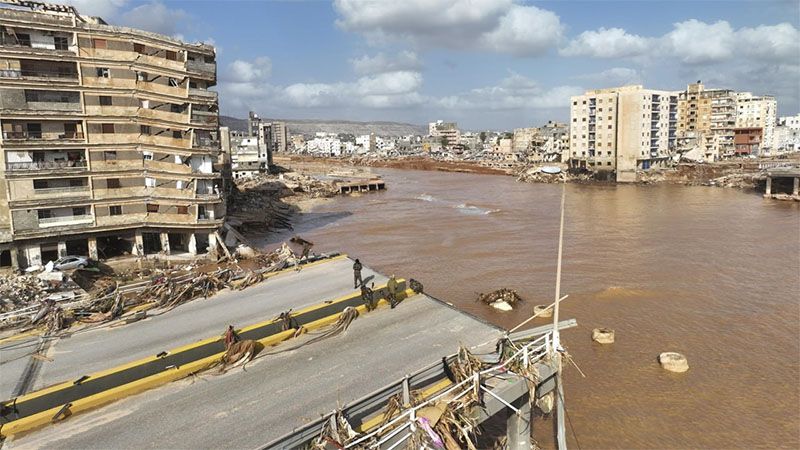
x: 465, y: 208
x: 426, y: 198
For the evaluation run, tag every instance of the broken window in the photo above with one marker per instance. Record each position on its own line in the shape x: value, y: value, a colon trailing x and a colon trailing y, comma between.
x: 152, y: 208
x: 115, y: 210
x: 172, y: 56
x: 141, y: 76
x: 105, y: 100
x: 61, y: 43
x: 103, y: 72
x: 173, y: 82
x: 99, y: 43
x: 107, y: 128
x: 109, y: 155
x: 112, y: 183
x: 138, y: 48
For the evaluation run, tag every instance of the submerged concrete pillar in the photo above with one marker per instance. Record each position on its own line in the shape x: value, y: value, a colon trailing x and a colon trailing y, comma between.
x: 138, y: 244
x: 769, y: 186
x: 518, y: 428
x: 92, y: 244
x: 62, y: 249
x: 796, y: 186
x: 193, y: 244
x: 165, y: 243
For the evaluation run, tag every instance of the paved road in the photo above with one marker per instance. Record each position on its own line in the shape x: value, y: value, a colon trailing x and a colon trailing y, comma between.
x: 95, y: 350
x: 277, y: 393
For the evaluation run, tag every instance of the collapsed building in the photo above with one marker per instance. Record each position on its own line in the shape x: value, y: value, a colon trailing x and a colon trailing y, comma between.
x: 109, y: 140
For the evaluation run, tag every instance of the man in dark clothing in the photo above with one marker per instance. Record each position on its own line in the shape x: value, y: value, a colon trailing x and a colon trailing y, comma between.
x: 391, y: 288
x: 357, y: 281
x: 367, y: 296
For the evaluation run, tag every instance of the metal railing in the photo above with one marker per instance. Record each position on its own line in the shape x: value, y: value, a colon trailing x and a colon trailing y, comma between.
x: 15, y: 73
x: 38, y: 135
x: 65, y: 219
x: 45, y: 165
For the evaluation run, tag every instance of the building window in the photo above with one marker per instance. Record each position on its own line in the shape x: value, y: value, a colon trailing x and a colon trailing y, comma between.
x: 105, y: 100
x: 79, y: 211
x: 61, y: 43
x: 99, y: 43
x: 175, y: 108
x: 107, y: 128
x: 609, y: 127
x: 40, y: 184
x: 144, y: 129
x: 152, y: 208
x: 112, y: 183
x: 608, y: 163
x: 172, y: 56
x: 110, y: 155
x: 44, y: 214
x: 103, y: 72
x: 177, y: 135
x: 147, y: 156
x: 115, y: 210
x: 138, y: 48
x: 575, y: 119
x: 183, y: 210
x: 150, y: 182
x: 24, y: 39
x: 141, y: 76
x: 173, y: 82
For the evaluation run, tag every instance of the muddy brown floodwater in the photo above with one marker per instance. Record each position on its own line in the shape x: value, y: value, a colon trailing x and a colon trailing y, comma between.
x: 708, y: 272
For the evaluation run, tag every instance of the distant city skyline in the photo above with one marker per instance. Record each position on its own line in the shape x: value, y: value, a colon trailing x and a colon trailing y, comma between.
x: 484, y: 64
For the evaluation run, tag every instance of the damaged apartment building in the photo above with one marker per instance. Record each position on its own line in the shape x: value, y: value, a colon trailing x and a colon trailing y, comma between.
x: 110, y: 139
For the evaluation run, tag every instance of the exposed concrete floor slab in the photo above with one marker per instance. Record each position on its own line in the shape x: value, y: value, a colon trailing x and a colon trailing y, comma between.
x: 278, y: 392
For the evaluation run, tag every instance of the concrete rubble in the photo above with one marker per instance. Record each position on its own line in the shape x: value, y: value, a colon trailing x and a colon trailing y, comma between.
x: 503, y: 299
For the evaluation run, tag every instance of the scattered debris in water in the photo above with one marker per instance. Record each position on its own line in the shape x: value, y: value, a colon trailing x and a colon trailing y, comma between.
x: 503, y: 299
x: 603, y: 335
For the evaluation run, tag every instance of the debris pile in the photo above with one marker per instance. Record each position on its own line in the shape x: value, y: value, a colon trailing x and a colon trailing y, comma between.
x: 503, y: 299
x: 258, y: 203
x: 19, y: 290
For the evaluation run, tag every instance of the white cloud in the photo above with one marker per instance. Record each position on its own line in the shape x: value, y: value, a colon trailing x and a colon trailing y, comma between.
x: 241, y: 71
x: 771, y: 42
x: 516, y: 92
x: 380, y: 63
x: 106, y: 9
x: 495, y: 25
x: 616, y: 76
x: 606, y: 43
x: 696, y: 42
x: 525, y: 31
x: 156, y: 17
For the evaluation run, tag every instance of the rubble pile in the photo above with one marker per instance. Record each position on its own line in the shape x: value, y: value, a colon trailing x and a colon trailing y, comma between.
x: 258, y: 203
x: 20, y: 290
x: 503, y: 299
x: 535, y: 174
x: 736, y: 180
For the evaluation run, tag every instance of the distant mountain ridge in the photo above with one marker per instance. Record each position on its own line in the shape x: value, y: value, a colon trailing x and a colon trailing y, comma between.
x: 310, y: 126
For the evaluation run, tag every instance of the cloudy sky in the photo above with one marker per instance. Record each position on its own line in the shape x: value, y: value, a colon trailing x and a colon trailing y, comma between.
x: 485, y: 63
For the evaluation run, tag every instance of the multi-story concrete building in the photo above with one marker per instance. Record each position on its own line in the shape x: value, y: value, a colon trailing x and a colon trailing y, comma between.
x: 706, y: 119
x: 621, y: 130
x: 280, y: 137
x: 757, y: 112
x: 109, y: 139
x: 448, y: 132
x: 787, y: 134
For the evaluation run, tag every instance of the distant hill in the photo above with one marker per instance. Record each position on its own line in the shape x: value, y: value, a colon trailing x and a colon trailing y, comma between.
x: 311, y: 126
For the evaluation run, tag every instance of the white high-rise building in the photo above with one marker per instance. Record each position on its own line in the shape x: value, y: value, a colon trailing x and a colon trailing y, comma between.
x: 622, y: 130
x: 757, y: 112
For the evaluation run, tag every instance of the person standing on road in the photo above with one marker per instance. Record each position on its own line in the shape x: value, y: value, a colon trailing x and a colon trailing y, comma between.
x: 367, y: 296
x: 231, y: 337
x: 357, y: 280
x: 391, y: 287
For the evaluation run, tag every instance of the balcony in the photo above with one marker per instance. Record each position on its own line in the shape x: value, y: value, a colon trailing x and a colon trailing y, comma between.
x: 202, y: 67
x: 203, y: 93
x: 207, y: 143
x: 42, y: 136
x: 61, y: 192
x: 29, y: 166
x: 46, y: 75
x: 63, y: 221
x: 205, y: 118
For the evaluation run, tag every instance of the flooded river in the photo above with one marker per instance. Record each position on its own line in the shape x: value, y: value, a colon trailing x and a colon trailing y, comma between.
x: 708, y: 272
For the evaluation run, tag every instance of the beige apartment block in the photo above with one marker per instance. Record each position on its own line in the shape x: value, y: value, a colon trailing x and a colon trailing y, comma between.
x: 619, y: 131
x: 706, y: 121
x: 109, y: 139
